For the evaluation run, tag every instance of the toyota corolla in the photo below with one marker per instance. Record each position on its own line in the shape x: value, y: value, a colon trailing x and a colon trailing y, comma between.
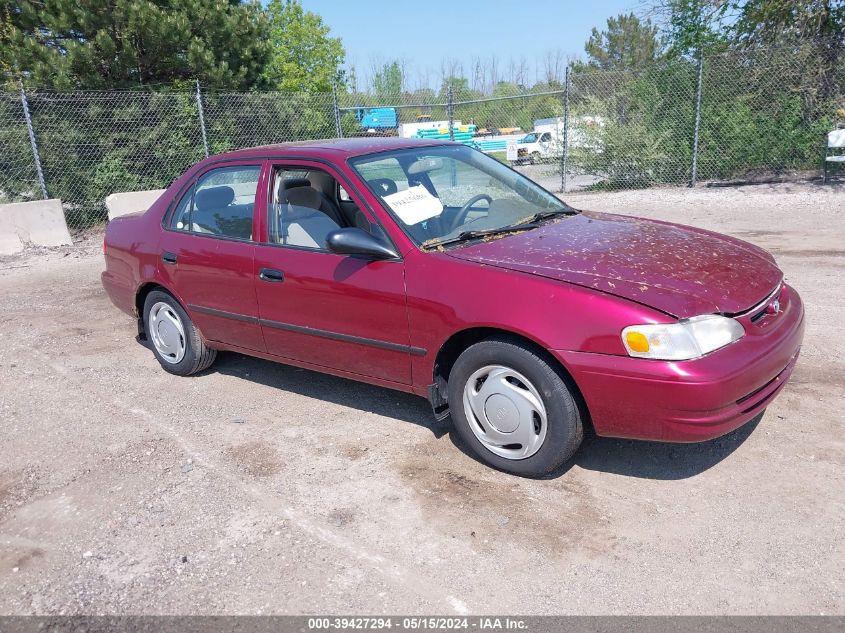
x: 432, y: 268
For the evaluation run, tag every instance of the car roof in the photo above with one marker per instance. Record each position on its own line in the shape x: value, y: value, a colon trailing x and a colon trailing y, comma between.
x: 336, y: 148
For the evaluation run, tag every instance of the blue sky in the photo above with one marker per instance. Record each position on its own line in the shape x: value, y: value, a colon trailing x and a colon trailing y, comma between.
x: 425, y: 32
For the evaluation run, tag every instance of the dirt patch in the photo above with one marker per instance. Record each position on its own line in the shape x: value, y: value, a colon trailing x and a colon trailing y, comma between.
x: 818, y: 378
x: 19, y: 558
x: 256, y: 459
x: 341, y: 518
x: 27, y: 557
x: 354, y: 452
x: 16, y: 488
x: 558, y: 519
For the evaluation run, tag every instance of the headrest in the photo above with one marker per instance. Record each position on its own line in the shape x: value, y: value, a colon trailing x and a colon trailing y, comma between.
x: 383, y: 186
x: 214, y: 198
x: 305, y: 197
x: 293, y: 183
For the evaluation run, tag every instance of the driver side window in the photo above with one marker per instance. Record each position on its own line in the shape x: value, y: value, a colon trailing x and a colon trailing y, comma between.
x: 307, y: 206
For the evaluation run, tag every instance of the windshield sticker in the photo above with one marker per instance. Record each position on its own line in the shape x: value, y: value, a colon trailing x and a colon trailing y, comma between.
x: 414, y: 205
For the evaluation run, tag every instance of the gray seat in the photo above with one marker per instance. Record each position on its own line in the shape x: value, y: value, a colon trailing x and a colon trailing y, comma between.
x: 307, y: 227
x: 214, y: 213
x: 302, y: 218
x: 207, y: 203
x: 304, y: 195
x: 214, y: 198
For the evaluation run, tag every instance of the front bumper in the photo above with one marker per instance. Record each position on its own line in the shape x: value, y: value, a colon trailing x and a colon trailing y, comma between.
x: 696, y: 400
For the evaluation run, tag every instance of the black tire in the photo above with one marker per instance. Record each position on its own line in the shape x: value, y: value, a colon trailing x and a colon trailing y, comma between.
x: 198, y: 356
x: 565, y: 429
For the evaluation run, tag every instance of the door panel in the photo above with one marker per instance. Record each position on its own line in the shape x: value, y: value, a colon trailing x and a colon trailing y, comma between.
x: 335, y: 311
x: 214, y: 277
x: 207, y: 256
x: 317, y: 307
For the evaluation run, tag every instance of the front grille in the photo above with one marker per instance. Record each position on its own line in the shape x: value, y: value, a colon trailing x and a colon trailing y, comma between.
x: 759, y: 315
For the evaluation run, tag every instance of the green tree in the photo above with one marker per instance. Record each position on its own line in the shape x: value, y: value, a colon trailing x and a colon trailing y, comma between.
x: 776, y: 21
x: 125, y: 43
x: 816, y: 24
x: 304, y: 57
x: 388, y: 82
x: 694, y: 27
x: 628, y: 44
x: 460, y: 89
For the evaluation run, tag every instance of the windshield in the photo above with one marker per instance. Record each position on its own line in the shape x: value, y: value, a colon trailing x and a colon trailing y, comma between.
x: 439, y: 193
x: 528, y: 138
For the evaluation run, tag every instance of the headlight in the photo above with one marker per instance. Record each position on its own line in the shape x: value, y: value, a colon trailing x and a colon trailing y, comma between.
x: 684, y: 340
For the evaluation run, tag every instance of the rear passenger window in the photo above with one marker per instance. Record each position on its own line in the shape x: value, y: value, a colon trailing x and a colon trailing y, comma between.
x: 221, y: 203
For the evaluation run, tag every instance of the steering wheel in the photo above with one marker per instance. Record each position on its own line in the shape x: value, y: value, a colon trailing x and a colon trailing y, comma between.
x: 463, y: 212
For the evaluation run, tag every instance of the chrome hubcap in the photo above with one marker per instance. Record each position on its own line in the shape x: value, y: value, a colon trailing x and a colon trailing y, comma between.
x: 167, y: 332
x: 505, y: 412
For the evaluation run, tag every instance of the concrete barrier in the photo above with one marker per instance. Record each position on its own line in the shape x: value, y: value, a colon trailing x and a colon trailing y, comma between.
x: 10, y: 243
x: 127, y: 202
x: 39, y: 222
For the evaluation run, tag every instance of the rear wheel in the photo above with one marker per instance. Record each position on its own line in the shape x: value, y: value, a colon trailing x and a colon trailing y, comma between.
x: 513, y: 408
x: 174, y: 338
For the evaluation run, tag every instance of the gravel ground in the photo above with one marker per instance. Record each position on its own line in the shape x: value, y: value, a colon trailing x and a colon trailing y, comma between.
x: 260, y: 488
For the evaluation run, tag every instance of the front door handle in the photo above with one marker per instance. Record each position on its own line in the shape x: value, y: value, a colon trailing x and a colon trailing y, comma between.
x: 168, y: 258
x: 271, y: 274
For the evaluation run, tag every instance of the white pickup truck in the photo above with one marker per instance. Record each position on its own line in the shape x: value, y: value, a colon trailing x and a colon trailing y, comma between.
x: 534, y: 147
x: 545, y: 143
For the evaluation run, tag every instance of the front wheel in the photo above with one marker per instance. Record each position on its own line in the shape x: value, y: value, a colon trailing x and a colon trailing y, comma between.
x: 513, y: 408
x: 174, y: 338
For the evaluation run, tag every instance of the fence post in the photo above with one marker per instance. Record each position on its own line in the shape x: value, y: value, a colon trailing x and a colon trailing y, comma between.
x: 694, y: 172
x: 450, y: 111
x: 202, y: 119
x: 337, y: 126
x: 35, y: 156
x: 564, y: 156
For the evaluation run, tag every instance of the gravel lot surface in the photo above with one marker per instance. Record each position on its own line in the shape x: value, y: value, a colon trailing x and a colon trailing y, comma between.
x: 260, y: 488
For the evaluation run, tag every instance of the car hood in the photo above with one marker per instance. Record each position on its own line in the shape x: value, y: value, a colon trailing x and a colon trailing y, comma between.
x: 679, y: 270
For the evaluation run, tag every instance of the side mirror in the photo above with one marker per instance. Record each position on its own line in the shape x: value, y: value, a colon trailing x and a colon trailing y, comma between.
x: 355, y: 241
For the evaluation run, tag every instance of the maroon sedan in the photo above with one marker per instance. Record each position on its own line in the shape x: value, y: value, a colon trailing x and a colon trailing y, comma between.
x: 432, y: 268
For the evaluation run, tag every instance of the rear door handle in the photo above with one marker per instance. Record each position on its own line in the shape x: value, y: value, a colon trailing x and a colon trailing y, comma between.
x: 271, y: 274
x: 168, y: 258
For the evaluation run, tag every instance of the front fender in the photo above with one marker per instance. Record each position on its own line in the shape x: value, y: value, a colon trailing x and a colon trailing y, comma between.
x: 447, y: 295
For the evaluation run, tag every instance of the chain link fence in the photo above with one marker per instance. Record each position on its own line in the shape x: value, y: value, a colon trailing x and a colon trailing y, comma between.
x: 18, y: 170
x: 757, y: 115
